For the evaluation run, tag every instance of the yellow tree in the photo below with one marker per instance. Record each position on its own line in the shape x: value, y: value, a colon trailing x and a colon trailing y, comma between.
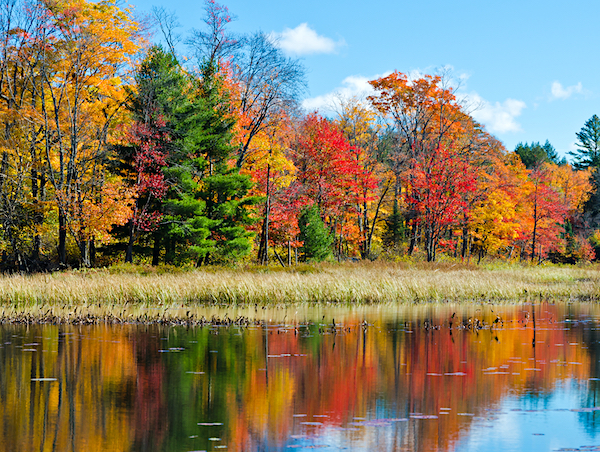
x: 88, y: 48
x: 22, y: 183
x: 273, y: 172
x: 494, y: 224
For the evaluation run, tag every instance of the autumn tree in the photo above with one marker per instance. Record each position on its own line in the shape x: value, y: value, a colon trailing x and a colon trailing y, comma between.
x: 439, y: 183
x: 159, y: 88
x: 546, y: 214
x: 74, y: 58
x: 22, y: 179
x: 329, y: 175
x: 268, y: 88
x: 82, y: 94
x: 360, y: 126
x: 495, y: 224
x: 426, y: 117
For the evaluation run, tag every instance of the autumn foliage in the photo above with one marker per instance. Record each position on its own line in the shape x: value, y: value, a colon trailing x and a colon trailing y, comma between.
x: 116, y: 149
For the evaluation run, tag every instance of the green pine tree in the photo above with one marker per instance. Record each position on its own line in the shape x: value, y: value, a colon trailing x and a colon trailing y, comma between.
x: 209, y: 207
x: 535, y: 154
x: 588, y: 145
x: 314, y: 235
x: 394, y: 231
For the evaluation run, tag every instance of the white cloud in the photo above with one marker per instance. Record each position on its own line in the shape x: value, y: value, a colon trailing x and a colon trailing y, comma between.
x: 352, y: 86
x: 498, y: 117
x: 560, y: 92
x: 303, y: 40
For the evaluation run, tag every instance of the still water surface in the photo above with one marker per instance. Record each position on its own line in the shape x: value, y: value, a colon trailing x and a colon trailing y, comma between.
x: 384, y: 378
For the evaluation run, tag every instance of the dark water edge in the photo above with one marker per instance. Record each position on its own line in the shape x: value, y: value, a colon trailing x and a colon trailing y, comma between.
x: 420, y: 378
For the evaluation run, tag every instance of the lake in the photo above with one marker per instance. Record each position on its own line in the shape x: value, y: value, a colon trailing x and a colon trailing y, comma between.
x: 386, y: 378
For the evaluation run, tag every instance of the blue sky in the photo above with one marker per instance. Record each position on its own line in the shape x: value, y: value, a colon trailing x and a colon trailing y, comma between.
x: 530, y: 67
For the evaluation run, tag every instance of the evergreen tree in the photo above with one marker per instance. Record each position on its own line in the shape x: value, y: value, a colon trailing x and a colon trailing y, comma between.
x: 394, y: 230
x: 314, y: 235
x: 535, y: 154
x: 588, y: 153
x: 208, y: 205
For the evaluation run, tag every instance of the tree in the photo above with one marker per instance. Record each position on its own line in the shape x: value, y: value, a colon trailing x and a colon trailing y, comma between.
x: 207, y: 207
x: 588, y: 145
x: 316, y: 241
x: 159, y: 88
x: 425, y: 116
x: 77, y: 55
x: 22, y: 179
x: 535, y: 154
x: 330, y: 174
x: 214, y: 45
x: 438, y: 186
x: 547, y: 213
x: 359, y: 125
x: 268, y: 84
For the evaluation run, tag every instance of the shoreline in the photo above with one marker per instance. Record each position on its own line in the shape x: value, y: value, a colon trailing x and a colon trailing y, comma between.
x: 149, y: 296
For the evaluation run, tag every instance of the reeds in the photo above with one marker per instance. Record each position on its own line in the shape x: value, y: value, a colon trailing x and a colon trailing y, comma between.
x: 375, y: 283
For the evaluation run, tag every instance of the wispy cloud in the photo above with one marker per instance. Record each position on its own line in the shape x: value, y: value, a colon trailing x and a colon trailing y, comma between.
x: 560, y: 92
x: 498, y: 117
x: 303, y: 40
x: 352, y: 86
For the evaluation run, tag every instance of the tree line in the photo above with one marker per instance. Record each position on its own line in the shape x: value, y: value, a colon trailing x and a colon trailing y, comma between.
x: 116, y: 149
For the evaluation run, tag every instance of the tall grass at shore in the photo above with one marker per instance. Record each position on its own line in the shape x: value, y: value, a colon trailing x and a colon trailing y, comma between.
x: 356, y: 283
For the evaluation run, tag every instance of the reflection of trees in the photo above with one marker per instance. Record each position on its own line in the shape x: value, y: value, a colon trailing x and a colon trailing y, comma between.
x: 591, y: 339
x: 115, y: 391
x: 85, y: 408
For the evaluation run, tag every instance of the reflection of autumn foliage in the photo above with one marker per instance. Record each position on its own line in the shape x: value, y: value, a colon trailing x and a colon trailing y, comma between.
x: 351, y: 374
x: 150, y: 422
x: 115, y: 391
x: 85, y: 408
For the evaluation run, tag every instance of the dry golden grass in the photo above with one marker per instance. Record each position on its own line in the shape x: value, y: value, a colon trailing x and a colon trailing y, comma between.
x: 140, y: 292
x: 359, y: 283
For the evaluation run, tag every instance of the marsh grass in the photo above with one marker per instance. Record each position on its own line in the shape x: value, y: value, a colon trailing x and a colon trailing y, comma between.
x: 152, y: 292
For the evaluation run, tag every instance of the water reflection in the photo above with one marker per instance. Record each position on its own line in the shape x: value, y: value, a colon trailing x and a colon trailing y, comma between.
x: 414, y: 378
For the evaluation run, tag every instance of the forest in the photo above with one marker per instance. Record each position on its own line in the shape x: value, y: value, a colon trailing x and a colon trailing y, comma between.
x: 117, y: 149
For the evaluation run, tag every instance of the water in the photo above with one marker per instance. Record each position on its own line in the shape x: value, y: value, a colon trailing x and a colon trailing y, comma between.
x: 384, y: 378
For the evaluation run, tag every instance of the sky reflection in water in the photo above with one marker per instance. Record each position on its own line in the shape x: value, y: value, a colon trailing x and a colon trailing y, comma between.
x: 409, y: 378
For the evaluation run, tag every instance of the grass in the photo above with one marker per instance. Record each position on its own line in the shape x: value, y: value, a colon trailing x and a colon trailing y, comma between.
x: 146, y: 292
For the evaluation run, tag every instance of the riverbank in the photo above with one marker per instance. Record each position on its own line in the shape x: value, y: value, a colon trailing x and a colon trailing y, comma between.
x: 138, y: 293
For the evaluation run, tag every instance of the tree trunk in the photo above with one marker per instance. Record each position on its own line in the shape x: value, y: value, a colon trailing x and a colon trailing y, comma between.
x: 62, y: 238
x: 129, y: 251
x: 535, y: 222
x: 156, y: 249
